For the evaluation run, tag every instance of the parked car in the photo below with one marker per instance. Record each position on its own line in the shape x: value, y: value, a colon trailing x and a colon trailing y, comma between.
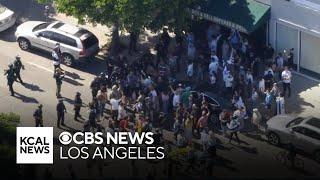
x: 7, y: 18
x: 76, y: 43
x: 303, y: 133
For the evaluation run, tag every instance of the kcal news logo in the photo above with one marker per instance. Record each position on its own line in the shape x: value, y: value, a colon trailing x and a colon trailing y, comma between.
x: 34, y: 145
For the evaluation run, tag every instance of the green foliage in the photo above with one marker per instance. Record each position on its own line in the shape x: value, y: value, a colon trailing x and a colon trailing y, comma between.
x: 132, y: 15
x: 8, y: 124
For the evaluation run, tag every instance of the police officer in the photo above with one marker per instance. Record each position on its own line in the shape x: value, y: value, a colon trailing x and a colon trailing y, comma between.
x: 61, y: 109
x: 17, y: 67
x: 38, y: 116
x: 58, y: 75
x: 10, y: 78
x: 77, y: 106
x: 95, y: 87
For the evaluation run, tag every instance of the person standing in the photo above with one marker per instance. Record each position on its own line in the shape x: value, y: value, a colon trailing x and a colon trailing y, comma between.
x: 77, y: 106
x: 286, y: 81
x: 95, y: 85
x: 92, y: 115
x: 290, y: 58
x: 37, y: 115
x: 17, y: 66
x: 58, y: 75
x: 56, y: 56
x: 233, y: 127
x: 61, y: 109
x: 10, y: 78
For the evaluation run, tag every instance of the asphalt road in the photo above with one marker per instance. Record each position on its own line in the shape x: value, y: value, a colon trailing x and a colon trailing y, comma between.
x: 253, y: 158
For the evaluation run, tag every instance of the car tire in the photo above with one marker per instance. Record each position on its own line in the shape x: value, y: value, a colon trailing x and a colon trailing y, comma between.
x: 24, y: 44
x: 273, y: 139
x: 67, y: 59
x: 317, y: 156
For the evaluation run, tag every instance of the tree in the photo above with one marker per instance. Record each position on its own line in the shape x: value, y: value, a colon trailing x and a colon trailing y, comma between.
x: 131, y: 15
x: 171, y: 13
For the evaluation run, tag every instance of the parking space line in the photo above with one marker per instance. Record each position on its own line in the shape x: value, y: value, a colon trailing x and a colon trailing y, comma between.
x: 41, y: 67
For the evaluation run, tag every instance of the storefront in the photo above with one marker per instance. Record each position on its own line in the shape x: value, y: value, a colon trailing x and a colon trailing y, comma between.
x: 296, y: 24
x: 249, y: 17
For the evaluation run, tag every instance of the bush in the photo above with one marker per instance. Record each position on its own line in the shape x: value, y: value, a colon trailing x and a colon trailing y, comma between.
x: 8, y: 124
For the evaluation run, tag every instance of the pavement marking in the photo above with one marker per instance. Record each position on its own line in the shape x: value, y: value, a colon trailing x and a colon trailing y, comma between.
x: 41, y: 67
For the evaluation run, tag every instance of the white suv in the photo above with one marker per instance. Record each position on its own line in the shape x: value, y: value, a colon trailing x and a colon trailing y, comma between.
x: 303, y: 133
x: 76, y: 43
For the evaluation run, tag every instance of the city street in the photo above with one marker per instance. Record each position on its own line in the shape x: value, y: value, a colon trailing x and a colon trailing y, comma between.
x: 253, y: 158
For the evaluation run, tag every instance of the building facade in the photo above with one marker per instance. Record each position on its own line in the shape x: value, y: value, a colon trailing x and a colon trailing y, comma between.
x: 296, y: 24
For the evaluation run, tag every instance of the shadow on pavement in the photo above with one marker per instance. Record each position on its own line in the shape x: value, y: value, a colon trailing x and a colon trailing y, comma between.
x: 25, y: 99
x: 71, y: 81
x: 73, y: 75
x: 32, y: 87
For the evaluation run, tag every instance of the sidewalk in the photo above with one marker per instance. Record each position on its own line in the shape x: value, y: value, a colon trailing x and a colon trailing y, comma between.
x: 305, y: 96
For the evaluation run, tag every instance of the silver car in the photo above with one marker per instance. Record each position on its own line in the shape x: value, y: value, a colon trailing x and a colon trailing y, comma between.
x: 76, y: 43
x: 303, y: 133
x: 7, y: 18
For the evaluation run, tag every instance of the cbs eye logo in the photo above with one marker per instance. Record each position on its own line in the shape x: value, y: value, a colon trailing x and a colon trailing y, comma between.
x: 65, y: 138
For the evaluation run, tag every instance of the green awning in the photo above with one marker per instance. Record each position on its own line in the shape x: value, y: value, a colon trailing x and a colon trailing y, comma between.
x: 243, y: 15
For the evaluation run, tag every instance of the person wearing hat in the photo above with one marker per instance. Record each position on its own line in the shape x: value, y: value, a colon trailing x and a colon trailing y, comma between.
x: 38, y: 116
x: 17, y: 66
x: 77, y: 106
x: 56, y: 56
x: 61, y: 109
x: 233, y: 127
x: 10, y: 78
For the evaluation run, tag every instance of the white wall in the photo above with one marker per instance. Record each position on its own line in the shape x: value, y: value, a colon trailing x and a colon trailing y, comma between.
x: 300, y: 14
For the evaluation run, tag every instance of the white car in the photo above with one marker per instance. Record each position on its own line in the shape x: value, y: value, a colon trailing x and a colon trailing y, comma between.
x: 303, y: 133
x: 7, y: 18
x: 75, y: 43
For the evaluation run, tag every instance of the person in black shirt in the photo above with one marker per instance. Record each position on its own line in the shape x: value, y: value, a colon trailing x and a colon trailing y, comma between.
x: 38, y: 116
x: 10, y: 78
x: 17, y: 67
x: 165, y: 38
x: 58, y: 75
x: 290, y: 58
x: 77, y: 106
x: 61, y: 109
x: 95, y: 86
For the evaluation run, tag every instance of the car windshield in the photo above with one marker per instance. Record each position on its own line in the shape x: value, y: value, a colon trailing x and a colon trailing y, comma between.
x: 294, y: 122
x: 40, y: 26
x: 2, y: 8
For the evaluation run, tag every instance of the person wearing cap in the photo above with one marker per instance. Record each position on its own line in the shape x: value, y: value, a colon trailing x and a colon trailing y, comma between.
x: 77, y: 106
x: 56, y: 56
x: 37, y: 115
x: 10, y: 78
x: 17, y: 66
x: 61, y: 109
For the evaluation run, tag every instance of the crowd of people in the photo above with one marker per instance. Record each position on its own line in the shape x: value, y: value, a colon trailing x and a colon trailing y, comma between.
x: 144, y: 93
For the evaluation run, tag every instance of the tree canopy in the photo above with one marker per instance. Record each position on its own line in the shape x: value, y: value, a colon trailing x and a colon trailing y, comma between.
x: 131, y: 15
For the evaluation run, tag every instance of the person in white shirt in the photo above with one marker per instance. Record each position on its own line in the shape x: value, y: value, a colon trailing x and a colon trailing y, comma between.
x: 214, y: 65
x: 190, y: 70
x: 56, y: 56
x: 249, y: 77
x: 261, y: 85
x: 286, y: 81
x: 114, y: 107
x: 254, y: 97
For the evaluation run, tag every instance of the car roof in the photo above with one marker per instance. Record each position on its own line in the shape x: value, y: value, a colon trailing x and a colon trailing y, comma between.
x: 312, y: 123
x: 64, y: 28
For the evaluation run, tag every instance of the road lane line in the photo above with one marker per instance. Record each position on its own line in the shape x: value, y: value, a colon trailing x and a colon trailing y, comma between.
x: 41, y: 67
